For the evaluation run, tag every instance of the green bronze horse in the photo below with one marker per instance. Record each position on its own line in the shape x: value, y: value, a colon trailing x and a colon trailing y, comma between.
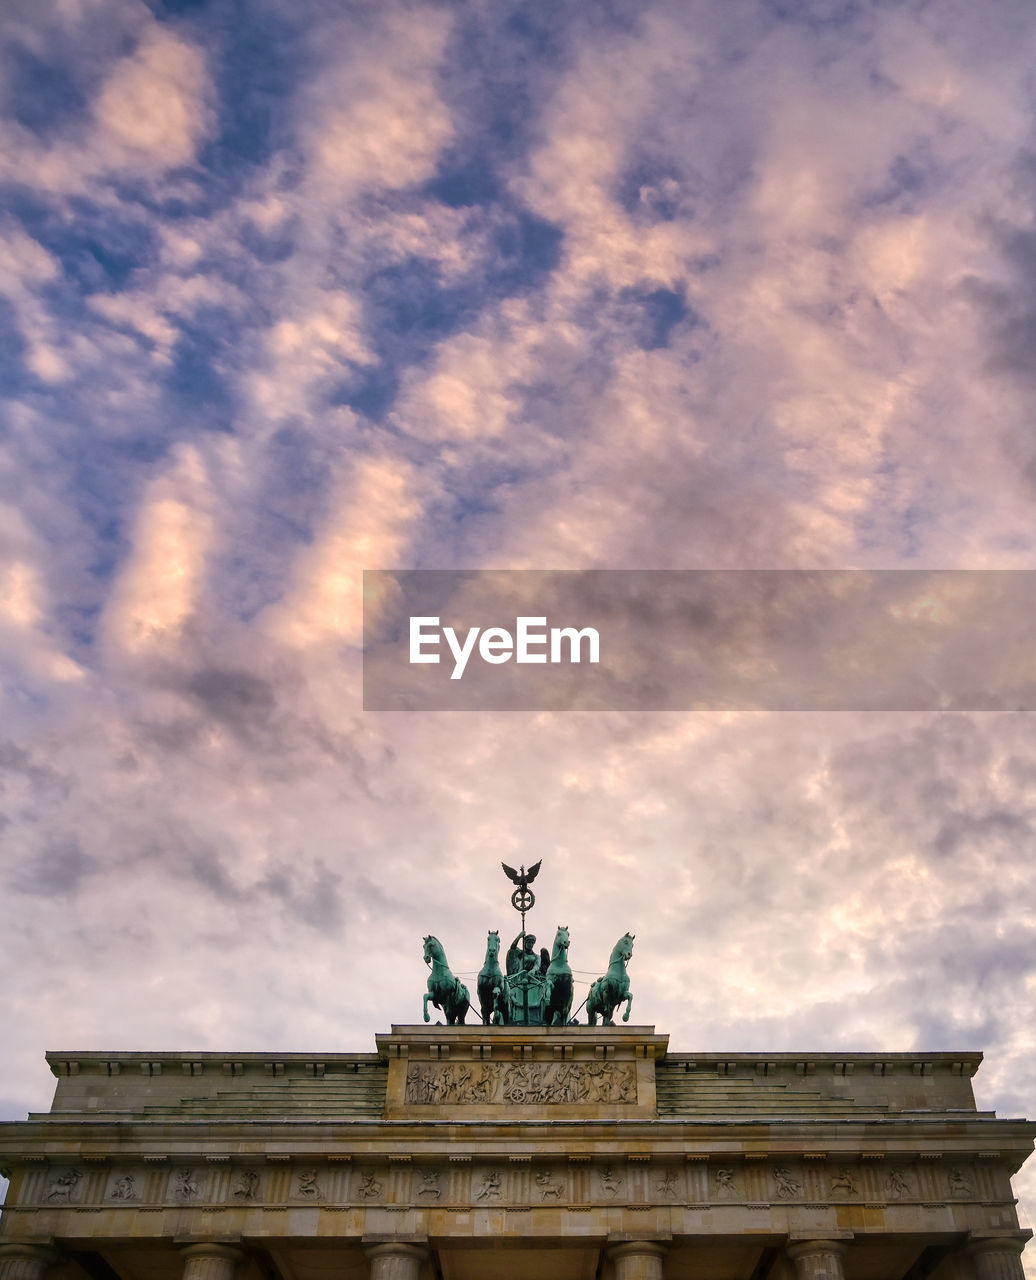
x: 608, y: 993
x: 557, y: 998
x: 445, y: 991
x: 491, y: 980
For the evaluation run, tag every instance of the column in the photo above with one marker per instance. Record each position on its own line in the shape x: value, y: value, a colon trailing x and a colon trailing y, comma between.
x: 637, y: 1259
x: 210, y: 1262
x: 997, y: 1257
x: 25, y: 1261
x: 818, y: 1259
x: 395, y: 1260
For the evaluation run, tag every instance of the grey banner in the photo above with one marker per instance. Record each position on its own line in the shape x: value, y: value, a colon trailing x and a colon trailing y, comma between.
x: 677, y: 640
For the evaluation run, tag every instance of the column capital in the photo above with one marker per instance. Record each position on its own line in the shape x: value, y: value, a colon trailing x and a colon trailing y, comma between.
x: 395, y: 1259
x: 806, y: 1248
x: 637, y: 1259
x: 998, y: 1241
x: 647, y: 1248
x: 375, y: 1248
x: 210, y: 1260
x: 210, y: 1249
x: 996, y: 1255
x: 818, y: 1259
x: 24, y: 1260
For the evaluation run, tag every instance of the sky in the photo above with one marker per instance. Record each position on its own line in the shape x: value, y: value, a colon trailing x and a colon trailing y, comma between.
x: 290, y: 290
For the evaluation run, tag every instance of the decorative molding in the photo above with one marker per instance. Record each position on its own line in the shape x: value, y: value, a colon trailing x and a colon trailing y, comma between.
x: 627, y: 1180
x: 521, y: 1083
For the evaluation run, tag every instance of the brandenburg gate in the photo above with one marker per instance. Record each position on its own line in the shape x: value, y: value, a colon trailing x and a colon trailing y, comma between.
x: 512, y: 1145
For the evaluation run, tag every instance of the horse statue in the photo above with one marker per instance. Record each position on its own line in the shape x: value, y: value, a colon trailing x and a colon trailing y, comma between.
x: 608, y: 993
x: 491, y: 980
x: 557, y: 998
x: 444, y: 990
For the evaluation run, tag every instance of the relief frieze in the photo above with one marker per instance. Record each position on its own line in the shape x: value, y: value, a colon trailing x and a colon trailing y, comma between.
x: 521, y: 1084
x: 603, y: 1180
x: 125, y: 1188
x: 246, y: 1186
x: 490, y: 1186
x: 786, y: 1185
x: 548, y: 1188
x: 186, y: 1186
x: 370, y: 1188
x: 845, y: 1183
x: 63, y: 1187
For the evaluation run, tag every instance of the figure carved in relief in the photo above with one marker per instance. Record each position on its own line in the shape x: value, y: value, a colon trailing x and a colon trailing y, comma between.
x: 569, y: 1083
x: 454, y: 1084
x: 609, y: 1182
x: 64, y: 1184
x: 725, y: 1181
x: 430, y: 1086
x: 786, y: 1184
x: 308, y: 1184
x: 124, y: 1188
x: 484, y: 1088
x: 429, y: 1183
x: 598, y: 1082
x: 247, y: 1185
x: 843, y: 1180
x: 523, y: 1083
x: 186, y: 1187
x: 547, y: 1187
x: 490, y: 1188
x: 667, y: 1187
x: 603, y: 1082
x: 896, y: 1186
x: 960, y: 1183
x: 370, y: 1187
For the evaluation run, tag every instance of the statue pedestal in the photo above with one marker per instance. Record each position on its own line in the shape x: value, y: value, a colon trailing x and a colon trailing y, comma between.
x: 551, y: 1073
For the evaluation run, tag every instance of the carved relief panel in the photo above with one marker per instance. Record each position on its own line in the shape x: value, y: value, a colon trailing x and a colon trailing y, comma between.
x: 521, y: 1083
x: 520, y: 1181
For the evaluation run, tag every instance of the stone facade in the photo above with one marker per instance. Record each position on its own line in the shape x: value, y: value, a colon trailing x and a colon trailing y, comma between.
x: 466, y: 1152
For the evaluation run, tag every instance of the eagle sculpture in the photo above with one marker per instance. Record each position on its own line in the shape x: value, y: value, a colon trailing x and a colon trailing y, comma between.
x: 522, y: 878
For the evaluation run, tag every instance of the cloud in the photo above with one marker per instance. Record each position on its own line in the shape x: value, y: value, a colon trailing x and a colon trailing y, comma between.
x: 370, y: 525
x: 157, y: 591
x: 148, y: 115
x: 25, y: 269
x: 56, y: 872
x: 151, y: 111
x: 615, y: 91
x: 388, y: 126
x: 485, y: 286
